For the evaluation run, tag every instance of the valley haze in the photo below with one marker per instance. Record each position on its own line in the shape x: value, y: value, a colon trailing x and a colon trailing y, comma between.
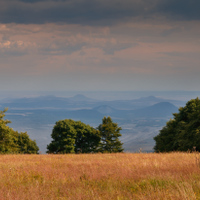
x: 140, y: 114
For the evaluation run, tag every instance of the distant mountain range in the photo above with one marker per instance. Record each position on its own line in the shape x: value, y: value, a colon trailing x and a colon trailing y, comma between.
x: 82, y: 102
x: 81, y: 107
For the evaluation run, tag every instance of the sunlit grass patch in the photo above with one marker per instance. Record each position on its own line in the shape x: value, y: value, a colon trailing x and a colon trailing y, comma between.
x: 100, y: 176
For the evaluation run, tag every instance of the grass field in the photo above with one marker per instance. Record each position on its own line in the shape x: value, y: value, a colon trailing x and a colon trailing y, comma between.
x: 100, y: 176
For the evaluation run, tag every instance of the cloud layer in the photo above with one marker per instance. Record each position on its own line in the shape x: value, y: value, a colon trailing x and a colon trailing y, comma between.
x: 103, y: 45
x: 95, y: 12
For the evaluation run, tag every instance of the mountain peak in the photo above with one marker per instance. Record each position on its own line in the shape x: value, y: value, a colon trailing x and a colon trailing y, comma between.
x: 104, y: 109
x: 80, y: 97
x: 165, y: 105
x: 150, y: 98
x: 161, y: 109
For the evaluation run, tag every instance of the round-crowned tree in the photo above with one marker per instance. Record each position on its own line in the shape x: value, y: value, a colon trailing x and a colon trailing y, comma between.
x: 71, y: 136
x: 182, y: 133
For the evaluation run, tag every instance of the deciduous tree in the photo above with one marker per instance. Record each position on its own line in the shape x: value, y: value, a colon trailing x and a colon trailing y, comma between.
x: 14, y: 142
x: 183, y: 132
x: 71, y: 136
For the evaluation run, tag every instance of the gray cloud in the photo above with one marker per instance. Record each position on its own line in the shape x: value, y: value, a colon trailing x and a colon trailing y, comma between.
x: 176, y: 54
x: 95, y: 12
x: 170, y: 31
x: 59, y: 49
x: 111, y: 49
x: 180, y: 9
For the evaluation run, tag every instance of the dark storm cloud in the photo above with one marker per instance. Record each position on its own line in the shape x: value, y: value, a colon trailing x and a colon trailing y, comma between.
x: 95, y: 12
x: 180, y: 9
x: 31, y: 1
x: 71, y: 11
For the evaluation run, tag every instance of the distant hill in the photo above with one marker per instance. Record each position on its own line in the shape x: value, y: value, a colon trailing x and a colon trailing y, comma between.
x: 104, y: 109
x: 50, y: 102
x: 80, y: 97
x: 159, y: 110
x: 150, y: 98
x: 140, y: 103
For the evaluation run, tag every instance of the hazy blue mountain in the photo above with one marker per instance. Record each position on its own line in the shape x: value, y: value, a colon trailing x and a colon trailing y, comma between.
x: 106, y: 110
x: 153, y: 100
x: 37, y: 102
x: 139, y: 103
x: 81, y: 102
x: 80, y: 97
x: 50, y: 102
x: 159, y: 110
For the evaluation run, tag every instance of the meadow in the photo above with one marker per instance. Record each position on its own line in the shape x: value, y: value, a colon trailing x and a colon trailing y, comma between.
x: 138, y: 176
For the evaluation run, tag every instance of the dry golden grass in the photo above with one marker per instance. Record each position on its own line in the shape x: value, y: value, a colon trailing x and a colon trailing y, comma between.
x: 100, y: 176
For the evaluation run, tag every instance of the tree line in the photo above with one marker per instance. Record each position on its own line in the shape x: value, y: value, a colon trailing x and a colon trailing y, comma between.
x: 68, y: 136
x: 182, y: 133
x: 71, y: 136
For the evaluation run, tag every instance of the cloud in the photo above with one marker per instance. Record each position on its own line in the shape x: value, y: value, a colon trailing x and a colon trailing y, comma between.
x: 180, y: 9
x: 95, y: 12
x: 73, y: 42
x: 128, y: 48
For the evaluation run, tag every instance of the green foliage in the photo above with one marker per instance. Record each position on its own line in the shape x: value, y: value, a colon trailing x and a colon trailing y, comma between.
x: 63, y: 136
x: 13, y: 142
x: 26, y: 145
x: 183, y: 132
x: 73, y: 137
x: 110, y: 133
x: 87, y: 138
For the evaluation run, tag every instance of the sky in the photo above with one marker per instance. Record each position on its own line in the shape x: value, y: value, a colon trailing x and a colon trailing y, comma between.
x: 91, y: 45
